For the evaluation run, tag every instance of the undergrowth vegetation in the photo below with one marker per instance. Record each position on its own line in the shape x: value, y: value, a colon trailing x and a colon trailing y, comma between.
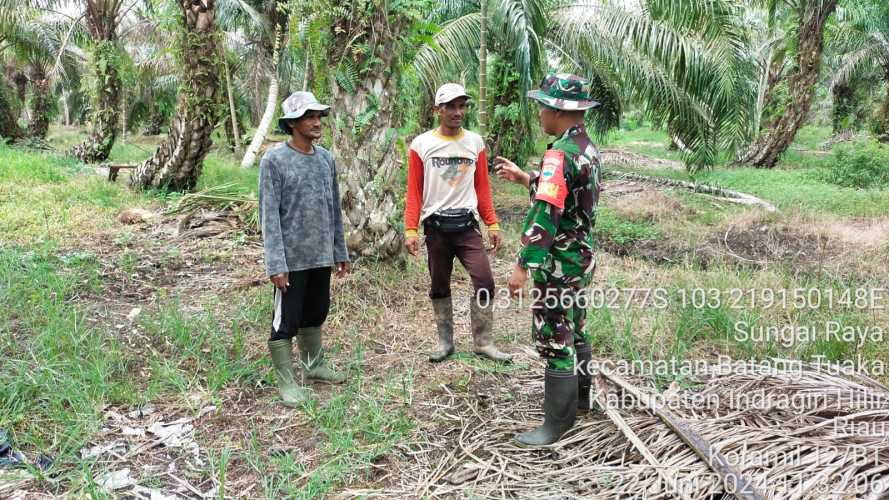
x: 71, y: 277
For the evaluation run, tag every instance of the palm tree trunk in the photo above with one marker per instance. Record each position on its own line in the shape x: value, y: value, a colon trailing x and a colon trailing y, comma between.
x: 881, y: 129
x: 21, y: 90
x: 101, y: 20
x: 773, y: 76
x: 20, y: 79
x: 9, y: 127
x: 233, y: 114
x: 307, y: 69
x: 766, y: 149
x: 763, y: 90
x: 66, y: 108
x: 366, y: 155
x: 257, y: 96
x: 177, y: 163
x: 123, y: 115
x: 38, y: 126
x: 264, y: 124
x: 270, y: 105
x: 843, y: 103
x: 106, y: 105
x: 155, y: 120
x: 483, y: 71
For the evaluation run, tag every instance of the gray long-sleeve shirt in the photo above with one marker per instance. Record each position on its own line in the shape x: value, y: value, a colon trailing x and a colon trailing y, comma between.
x: 299, y: 210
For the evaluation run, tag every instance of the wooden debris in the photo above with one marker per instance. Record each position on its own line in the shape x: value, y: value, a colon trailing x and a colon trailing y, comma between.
x: 600, y: 395
x: 733, y: 480
x: 724, y: 194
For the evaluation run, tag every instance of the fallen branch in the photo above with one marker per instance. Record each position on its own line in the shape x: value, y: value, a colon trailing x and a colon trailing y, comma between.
x: 726, y: 194
x: 732, y: 479
x: 600, y: 395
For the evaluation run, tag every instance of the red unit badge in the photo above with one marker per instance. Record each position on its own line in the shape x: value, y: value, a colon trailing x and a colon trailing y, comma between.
x: 552, y: 187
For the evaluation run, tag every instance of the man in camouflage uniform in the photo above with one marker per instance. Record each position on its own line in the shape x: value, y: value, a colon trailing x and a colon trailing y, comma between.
x: 557, y: 249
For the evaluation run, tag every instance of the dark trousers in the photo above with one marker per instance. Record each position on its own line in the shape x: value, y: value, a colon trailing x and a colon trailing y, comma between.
x: 305, y: 304
x: 469, y: 248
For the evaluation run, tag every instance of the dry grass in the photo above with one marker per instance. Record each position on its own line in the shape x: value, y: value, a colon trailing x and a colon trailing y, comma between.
x: 796, y: 452
x: 647, y: 205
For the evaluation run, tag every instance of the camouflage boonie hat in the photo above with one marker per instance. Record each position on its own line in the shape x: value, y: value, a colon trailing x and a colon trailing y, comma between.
x: 295, y: 106
x: 565, y: 91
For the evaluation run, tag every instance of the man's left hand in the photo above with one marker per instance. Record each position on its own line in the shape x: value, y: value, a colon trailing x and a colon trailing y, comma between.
x: 496, y: 240
x: 342, y: 269
x: 517, y: 281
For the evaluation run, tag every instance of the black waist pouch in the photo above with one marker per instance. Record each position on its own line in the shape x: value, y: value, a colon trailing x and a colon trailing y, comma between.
x: 453, y: 220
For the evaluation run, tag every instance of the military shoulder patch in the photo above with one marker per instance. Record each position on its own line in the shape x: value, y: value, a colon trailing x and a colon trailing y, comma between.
x: 552, y: 187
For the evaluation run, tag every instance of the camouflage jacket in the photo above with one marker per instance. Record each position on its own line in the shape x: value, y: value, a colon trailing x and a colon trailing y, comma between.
x: 557, y: 240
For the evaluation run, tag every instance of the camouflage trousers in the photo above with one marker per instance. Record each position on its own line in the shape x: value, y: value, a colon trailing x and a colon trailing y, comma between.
x: 559, y: 317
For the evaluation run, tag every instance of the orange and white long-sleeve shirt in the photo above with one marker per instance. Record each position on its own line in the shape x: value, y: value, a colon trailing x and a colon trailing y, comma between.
x: 447, y: 172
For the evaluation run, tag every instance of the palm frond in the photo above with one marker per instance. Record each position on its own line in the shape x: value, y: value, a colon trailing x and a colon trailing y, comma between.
x: 454, y: 46
x: 525, y: 22
x: 238, y: 14
x: 693, y: 77
x: 854, y: 63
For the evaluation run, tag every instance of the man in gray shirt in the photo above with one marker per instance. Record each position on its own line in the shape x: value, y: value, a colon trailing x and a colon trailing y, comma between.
x: 302, y: 233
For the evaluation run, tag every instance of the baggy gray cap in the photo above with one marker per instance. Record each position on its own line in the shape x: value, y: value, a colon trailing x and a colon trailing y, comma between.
x: 295, y: 106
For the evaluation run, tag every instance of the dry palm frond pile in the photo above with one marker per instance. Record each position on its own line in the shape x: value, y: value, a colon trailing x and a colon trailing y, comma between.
x: 216, y: 210
x: 792, y: 430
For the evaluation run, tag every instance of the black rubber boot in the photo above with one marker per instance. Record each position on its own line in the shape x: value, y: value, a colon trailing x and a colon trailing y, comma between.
x: 559, y: 409
x: 584, y: 377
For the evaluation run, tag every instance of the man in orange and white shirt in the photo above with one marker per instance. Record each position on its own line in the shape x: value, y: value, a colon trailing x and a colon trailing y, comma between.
x: 448, y: 192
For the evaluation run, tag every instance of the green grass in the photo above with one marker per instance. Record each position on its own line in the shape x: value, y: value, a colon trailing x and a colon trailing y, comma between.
x: 63, y: 197
x: 360, y: 424
x: 613, y: 228
x: 22, y: 168
x: 801, y: 189
x: 220, y: 166
x: 795, y: 184
x: 59, y: 371
x: 655, y: 143
x: 812, y: 137
x: 643, y: 140
x: 202, y: 353
x: 788, y: 189
x: 691, y: 323
x: 224, y: 169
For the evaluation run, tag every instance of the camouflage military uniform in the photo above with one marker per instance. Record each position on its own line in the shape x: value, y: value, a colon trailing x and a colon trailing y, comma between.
x: 557, y: 244
x: 557, y: 248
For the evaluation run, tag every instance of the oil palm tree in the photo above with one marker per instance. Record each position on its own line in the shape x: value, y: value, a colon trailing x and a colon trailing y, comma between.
x: 264, y: 23
x: 178, y: 161
x: 37, y: 42
x: 811, y: 18
x: 153, y: 70
x: 9, y: 127
x: 369, y: 44
x: 863, y: 45
x: 684, y: 61
x: 10, y: 99
x: 102, y: 19
x: 464, y: 47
